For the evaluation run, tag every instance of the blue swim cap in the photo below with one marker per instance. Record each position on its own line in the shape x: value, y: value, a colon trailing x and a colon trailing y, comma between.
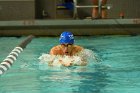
x: 66, y: 38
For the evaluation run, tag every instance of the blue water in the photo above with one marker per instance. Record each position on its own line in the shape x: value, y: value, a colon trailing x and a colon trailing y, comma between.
x: 118, y: 70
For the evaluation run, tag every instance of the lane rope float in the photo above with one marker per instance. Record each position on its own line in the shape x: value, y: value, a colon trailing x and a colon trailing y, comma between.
x: 9, y: 60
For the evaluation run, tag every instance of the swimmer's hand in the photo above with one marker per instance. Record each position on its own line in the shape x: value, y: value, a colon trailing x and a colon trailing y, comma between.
x: 83, y: 63
x: 67, y: 64
x: 50, y: 63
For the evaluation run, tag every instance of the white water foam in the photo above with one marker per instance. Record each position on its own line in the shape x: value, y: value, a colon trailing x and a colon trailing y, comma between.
x: 86, y: 55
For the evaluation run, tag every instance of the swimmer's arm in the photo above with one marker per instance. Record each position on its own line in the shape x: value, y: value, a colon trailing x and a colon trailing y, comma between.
x: 52, y: 52
x: 50, y: 63
x: 67, y: 64
x: 82, y: 63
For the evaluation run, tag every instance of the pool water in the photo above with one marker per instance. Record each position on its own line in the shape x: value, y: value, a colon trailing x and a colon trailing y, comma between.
x: 118, y: 70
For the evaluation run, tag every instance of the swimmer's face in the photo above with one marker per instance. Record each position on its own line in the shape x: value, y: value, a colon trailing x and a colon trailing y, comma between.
x: 67, y: 48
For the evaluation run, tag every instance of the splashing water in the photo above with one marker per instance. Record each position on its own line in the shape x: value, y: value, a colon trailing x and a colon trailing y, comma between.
x: 85, y: 54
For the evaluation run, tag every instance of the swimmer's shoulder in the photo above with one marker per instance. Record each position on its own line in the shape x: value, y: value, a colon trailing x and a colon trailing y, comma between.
x: 77, y: 49
x: 56, y: 50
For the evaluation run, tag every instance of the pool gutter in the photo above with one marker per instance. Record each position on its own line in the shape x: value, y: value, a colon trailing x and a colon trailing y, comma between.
x: 78, y: 27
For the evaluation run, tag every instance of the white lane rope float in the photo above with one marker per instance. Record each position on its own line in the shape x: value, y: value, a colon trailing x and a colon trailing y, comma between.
x: 9, y: 60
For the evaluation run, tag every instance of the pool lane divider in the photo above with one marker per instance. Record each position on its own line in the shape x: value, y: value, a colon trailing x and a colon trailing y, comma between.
x: 9, y: 60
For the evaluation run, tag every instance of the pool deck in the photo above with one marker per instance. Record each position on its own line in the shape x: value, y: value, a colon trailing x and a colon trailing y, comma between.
x: 83, y: 27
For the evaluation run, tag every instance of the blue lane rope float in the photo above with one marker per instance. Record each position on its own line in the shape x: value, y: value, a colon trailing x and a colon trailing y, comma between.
x: 9, y: 60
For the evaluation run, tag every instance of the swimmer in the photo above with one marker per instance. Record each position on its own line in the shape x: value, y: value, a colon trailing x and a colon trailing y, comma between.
x: 67, y: 48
